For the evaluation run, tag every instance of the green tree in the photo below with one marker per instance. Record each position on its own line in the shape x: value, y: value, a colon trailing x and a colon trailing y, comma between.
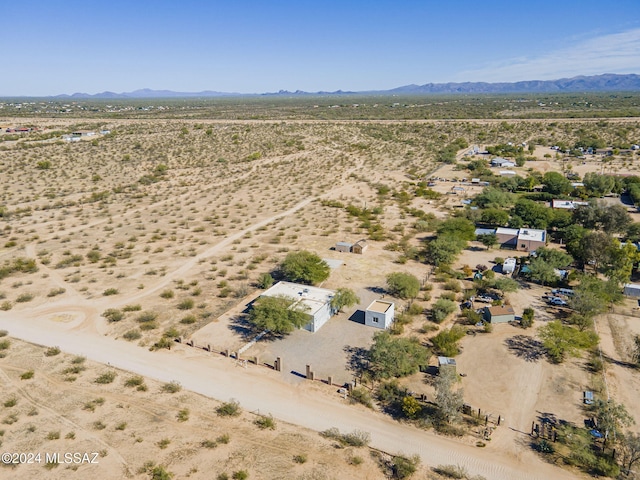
x: 305, y: 267
x: 506, y: 285
x: 279, y: 314
x: 391, y: 356
x: 492, y: 197
x: 403, y: 285
x: 630, y: 446
x: 533, y: 214
x: 527, y: 317
x: 448, y: 399
x: 556, y: 184
x: 555, y: 258
x: 444, y: 250
x: 488, y: 240
x: 598, y: 185
x: 611, y: 417
x: 561, y: 340
x: 446, y: 342
x: 441, y: 309
x: 494, y: 216
x: 344, y: 297
x: 265, y: 280
x: 635, y: 354
x: 458, y: 227
x: 542, y: 271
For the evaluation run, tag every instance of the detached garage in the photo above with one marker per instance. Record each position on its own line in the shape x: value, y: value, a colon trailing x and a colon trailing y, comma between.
x: 379, y: 314
x: 499, y: 314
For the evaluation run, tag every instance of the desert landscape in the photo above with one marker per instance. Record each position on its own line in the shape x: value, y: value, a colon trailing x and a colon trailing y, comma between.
x: 133, y: 254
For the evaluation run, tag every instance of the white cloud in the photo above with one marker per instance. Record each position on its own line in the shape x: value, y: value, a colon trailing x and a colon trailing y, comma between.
x: 613, y: 53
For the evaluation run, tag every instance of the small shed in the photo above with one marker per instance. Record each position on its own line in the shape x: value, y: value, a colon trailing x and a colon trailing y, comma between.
x: 447, y: 363
x: 632, y: 290
x: 360, y: 247
x: 499, y: 314
x: 343, y: 247
x: 379, y: 314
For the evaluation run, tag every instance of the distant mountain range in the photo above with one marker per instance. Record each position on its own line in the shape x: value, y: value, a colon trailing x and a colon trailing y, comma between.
x: 607, y: 82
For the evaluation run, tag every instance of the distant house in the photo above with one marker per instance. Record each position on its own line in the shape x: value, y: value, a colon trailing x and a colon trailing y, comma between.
x: 83, y: 133
x: 507, y: 237
x: 360, y: 247
x: 446, y: 363
x: 343, y: 247
x: 502, y: 162
x: 529, y: 239
x: 69, y: 138
x: 509, y: 266
x: 317, y: 301
x: 567, y: 204
x: 379, y: 314
x: 632, y: 290
x: 499, y: 314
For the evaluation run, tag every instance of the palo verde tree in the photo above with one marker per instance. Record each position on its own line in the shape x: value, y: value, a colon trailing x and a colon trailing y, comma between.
x: 344, y: 297
x: 279, y: 314
x: 403, y: 285
x: 448, y: 398
x: 392, y: 357
x: 304, y: 267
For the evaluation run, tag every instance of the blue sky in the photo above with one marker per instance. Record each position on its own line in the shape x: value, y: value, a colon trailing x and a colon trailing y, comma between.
x: 254, y: 46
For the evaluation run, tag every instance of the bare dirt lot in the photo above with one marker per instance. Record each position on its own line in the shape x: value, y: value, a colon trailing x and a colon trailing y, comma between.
x: 171, y: 222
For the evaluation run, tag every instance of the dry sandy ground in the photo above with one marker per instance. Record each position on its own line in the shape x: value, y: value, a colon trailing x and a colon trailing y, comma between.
x: 220, y: 218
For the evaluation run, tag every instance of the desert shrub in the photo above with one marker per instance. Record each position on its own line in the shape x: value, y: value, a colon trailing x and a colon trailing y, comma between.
x: 27, y: 375
x: 3, y: 333
x: 188, y: 319
x: 361, y: 395
x: 357, y: 438
x: 52, y: 352
x: 132, y: 335
x: 442, y: 309
x: 171, y: 387
x: 56, y: 291
x: 110, y: 291
x: 240, y: 475
x: 132, y: 308
x: 105, y: 378
x: 301, y: 458
x: 113, y: 314
x: 415, y: 309
x: 452, y: 285
x: 451, y: 471
x: 53, y: 435
x: 446, y: 342
x: 265, y: 422
x: 229, y: 409
x: 6, y: 305
x: 167, y: 294
x: 146, y: 317
x: 24, y: 297
x: 183, y: 415
x: 186, y: 304
x: 404, y: 467
x: 134, y: 381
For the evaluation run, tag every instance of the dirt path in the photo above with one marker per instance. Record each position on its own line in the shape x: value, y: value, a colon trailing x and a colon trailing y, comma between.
x: 259, y: 390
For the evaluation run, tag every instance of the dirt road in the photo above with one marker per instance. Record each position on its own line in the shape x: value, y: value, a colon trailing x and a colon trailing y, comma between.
x: 260, y: 390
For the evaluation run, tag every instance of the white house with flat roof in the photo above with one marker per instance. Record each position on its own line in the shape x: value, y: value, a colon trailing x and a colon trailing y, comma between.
x: 379, y: 314
x: 316, y: 301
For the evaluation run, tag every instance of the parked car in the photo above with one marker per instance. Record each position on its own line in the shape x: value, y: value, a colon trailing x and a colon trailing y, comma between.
x: 484, y: 298
x: 558, y: 302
